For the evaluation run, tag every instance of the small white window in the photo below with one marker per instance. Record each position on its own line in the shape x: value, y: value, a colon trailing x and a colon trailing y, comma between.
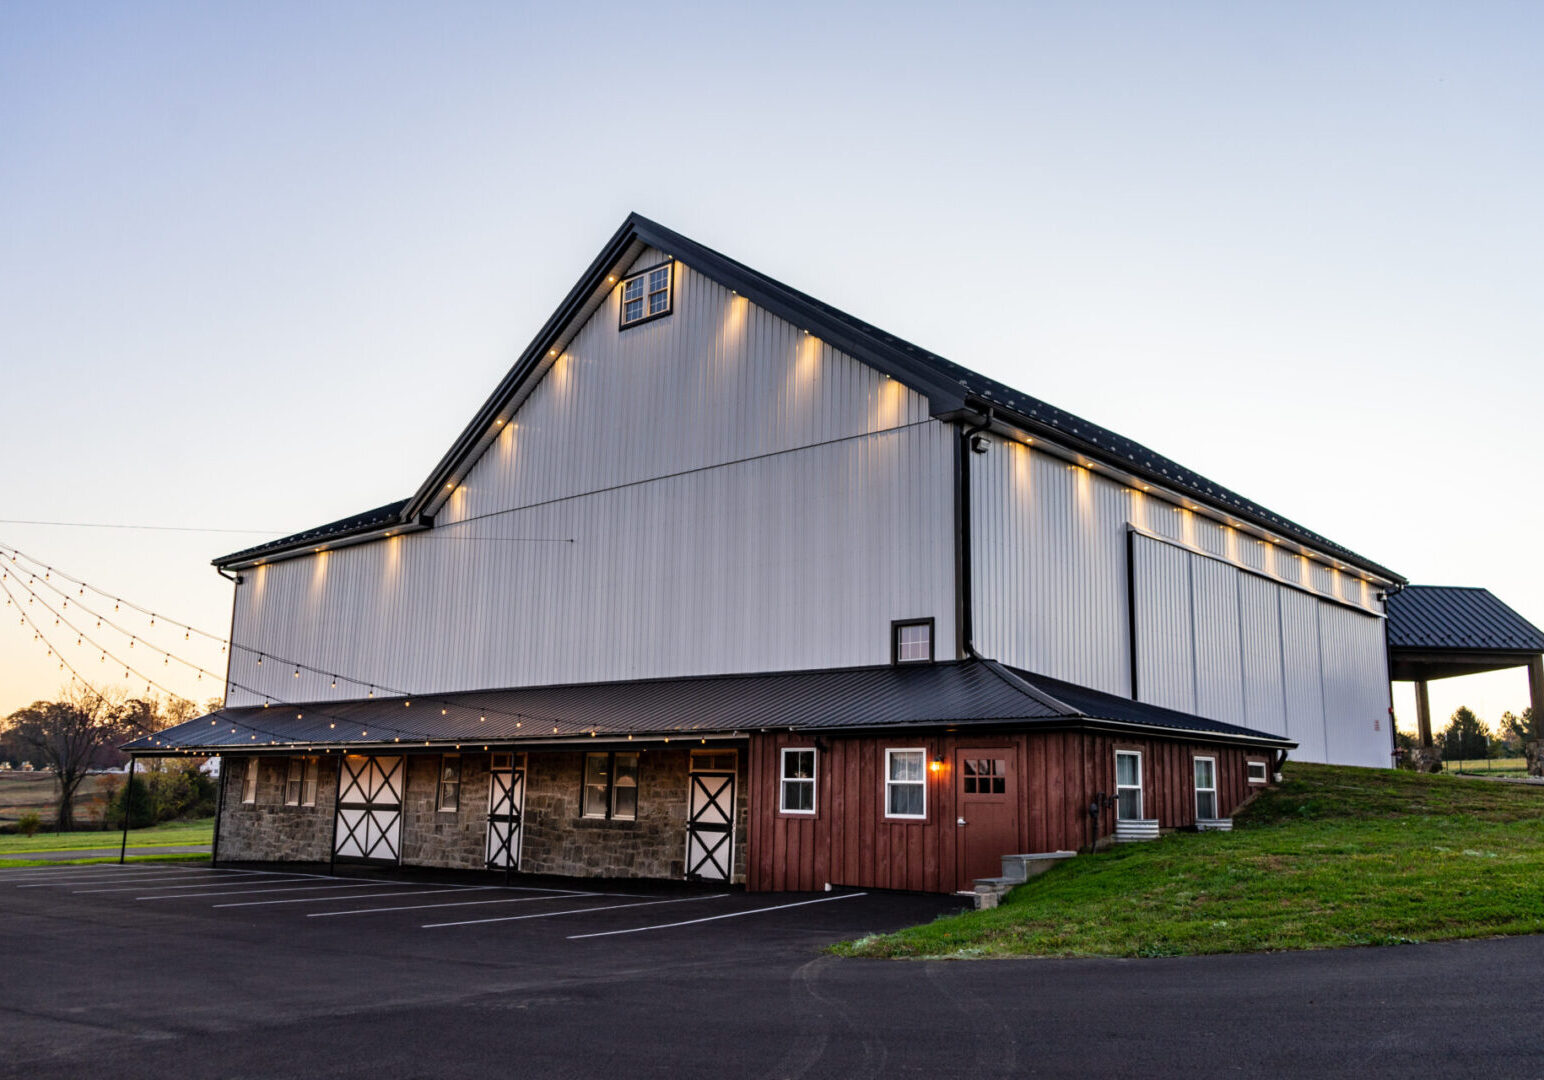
x: 249, y: 786
x: 300, y: 782
x: 798, y: 781
x: 906, y: 783
x: 610, y: 786
x: 1206, y: 788
x: 912, y: 642
x: 308, y: 784
x: 450, y: 783
x: 1257, y: 772
x: 293, y: 781
x: 1128, y: 785
x: 646, y: 295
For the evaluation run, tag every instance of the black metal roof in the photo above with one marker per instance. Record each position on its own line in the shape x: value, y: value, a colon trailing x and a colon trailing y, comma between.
x: 949, y: 387
x: 1097, y: 705
x: 946, y: 694
x: 1440, y: 617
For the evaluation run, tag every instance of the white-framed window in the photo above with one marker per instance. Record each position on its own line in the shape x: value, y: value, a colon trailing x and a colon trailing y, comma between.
x: 249, y: 782
x: 1206, y: 787
x: 646, y: 295
x: 1258, y: 772
x: 911, y: 641
x: 797, y: 780
x: 1128, y: 785
x: 300, y: 782
x: 610, y: 786
x: 449, y: 797
x: 906, y: 783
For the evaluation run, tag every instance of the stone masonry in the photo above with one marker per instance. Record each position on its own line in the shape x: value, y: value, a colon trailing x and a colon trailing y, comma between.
x: 557, y: 840
x: 267, y: 830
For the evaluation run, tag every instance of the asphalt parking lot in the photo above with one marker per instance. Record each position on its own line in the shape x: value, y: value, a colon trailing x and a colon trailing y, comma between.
x: 190, y: 972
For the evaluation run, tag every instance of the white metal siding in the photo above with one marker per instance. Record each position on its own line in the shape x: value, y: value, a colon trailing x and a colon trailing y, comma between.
x: 1165, y: 631
x: 740, y: 497
x: 1218, y: 644
x: 1227, y: 644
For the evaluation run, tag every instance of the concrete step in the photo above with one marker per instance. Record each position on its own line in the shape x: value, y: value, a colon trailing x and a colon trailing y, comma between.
x: 1024, y: 867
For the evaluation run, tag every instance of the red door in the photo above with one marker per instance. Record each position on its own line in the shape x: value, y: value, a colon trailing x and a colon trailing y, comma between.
x: 988, y: 823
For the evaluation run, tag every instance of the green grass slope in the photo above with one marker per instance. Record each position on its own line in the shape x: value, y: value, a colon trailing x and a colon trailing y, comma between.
x: 1334, y: 856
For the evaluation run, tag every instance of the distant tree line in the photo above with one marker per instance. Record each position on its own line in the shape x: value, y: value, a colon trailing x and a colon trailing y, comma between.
x: 80, y: 733
x: 1468, y: 738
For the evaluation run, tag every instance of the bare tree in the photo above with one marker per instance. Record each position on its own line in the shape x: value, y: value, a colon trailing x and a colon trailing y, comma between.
x: 80, y: 732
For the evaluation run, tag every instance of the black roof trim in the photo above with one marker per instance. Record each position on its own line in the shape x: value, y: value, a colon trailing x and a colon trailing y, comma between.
x: 950, y: 388
x: 949, y: 694
x: 368, y: 521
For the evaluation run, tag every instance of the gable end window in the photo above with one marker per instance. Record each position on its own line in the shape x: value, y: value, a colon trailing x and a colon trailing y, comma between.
x: 911, y: 641
x: 610, y: 787
x: 797, y: 781
x: 646, y: 295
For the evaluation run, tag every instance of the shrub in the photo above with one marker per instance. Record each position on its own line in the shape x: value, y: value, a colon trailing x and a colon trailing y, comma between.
x: 29, y: 823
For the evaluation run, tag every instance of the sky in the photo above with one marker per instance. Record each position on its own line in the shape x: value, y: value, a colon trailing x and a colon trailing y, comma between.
x: 260, y: 263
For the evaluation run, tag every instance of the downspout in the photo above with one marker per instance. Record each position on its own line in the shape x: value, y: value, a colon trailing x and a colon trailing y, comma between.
x: 965, y: 630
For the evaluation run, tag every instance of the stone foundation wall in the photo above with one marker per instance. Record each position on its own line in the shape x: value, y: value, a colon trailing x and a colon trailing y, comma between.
x: 556, y: 840
x: 447, y: 839
x: 559, y: 841
x: 269, y: 831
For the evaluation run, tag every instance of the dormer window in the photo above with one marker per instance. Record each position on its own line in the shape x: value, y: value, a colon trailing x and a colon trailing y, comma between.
x: 646, y: 295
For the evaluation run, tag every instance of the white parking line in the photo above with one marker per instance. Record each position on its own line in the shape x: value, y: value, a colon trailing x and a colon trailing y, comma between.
x: 144, y: 875
x: 460, y: 903
x: 572, y: 911
x: 273, y: 888
x: 712, y: 918
x: 135, y: 888
x: 315, y: 899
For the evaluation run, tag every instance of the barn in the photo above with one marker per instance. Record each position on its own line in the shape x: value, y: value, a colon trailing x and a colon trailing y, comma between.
x: 722, y: 583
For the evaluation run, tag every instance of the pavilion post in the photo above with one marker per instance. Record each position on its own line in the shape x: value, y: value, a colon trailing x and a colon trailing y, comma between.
x: 128, y: 808
x: 219, y: 812
x: 1536, y: 686
x: 1423, y: 712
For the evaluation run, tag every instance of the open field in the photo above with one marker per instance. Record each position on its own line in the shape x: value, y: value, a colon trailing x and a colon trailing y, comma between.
x: 38, y: 792
x: 169, y: 834
x: 1334, y: 856
x: 1508, y: 766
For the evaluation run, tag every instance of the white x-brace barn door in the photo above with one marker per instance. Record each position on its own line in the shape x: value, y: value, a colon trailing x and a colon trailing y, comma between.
x: 506, y: 806
x: 710, y: 826
x: 370, y: 809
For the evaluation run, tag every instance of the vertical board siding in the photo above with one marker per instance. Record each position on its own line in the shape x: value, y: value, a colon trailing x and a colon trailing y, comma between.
x: 710, y: 492
x: 848, y: 842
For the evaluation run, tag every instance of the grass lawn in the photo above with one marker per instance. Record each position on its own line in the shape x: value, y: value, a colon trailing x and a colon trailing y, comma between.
x: 170, y: 834
x: 9, y: 863
x: 1333, y: 856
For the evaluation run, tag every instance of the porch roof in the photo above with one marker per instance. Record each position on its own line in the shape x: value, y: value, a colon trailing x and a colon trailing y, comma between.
x: 948, y: 694
x: 1439, y: 631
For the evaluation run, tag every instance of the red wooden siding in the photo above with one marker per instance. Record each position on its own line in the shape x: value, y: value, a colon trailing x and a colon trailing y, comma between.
x: 848, y: 840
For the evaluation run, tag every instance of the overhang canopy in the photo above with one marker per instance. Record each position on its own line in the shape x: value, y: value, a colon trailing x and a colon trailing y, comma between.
x: 943, y: 695
x: 1439, y: 631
